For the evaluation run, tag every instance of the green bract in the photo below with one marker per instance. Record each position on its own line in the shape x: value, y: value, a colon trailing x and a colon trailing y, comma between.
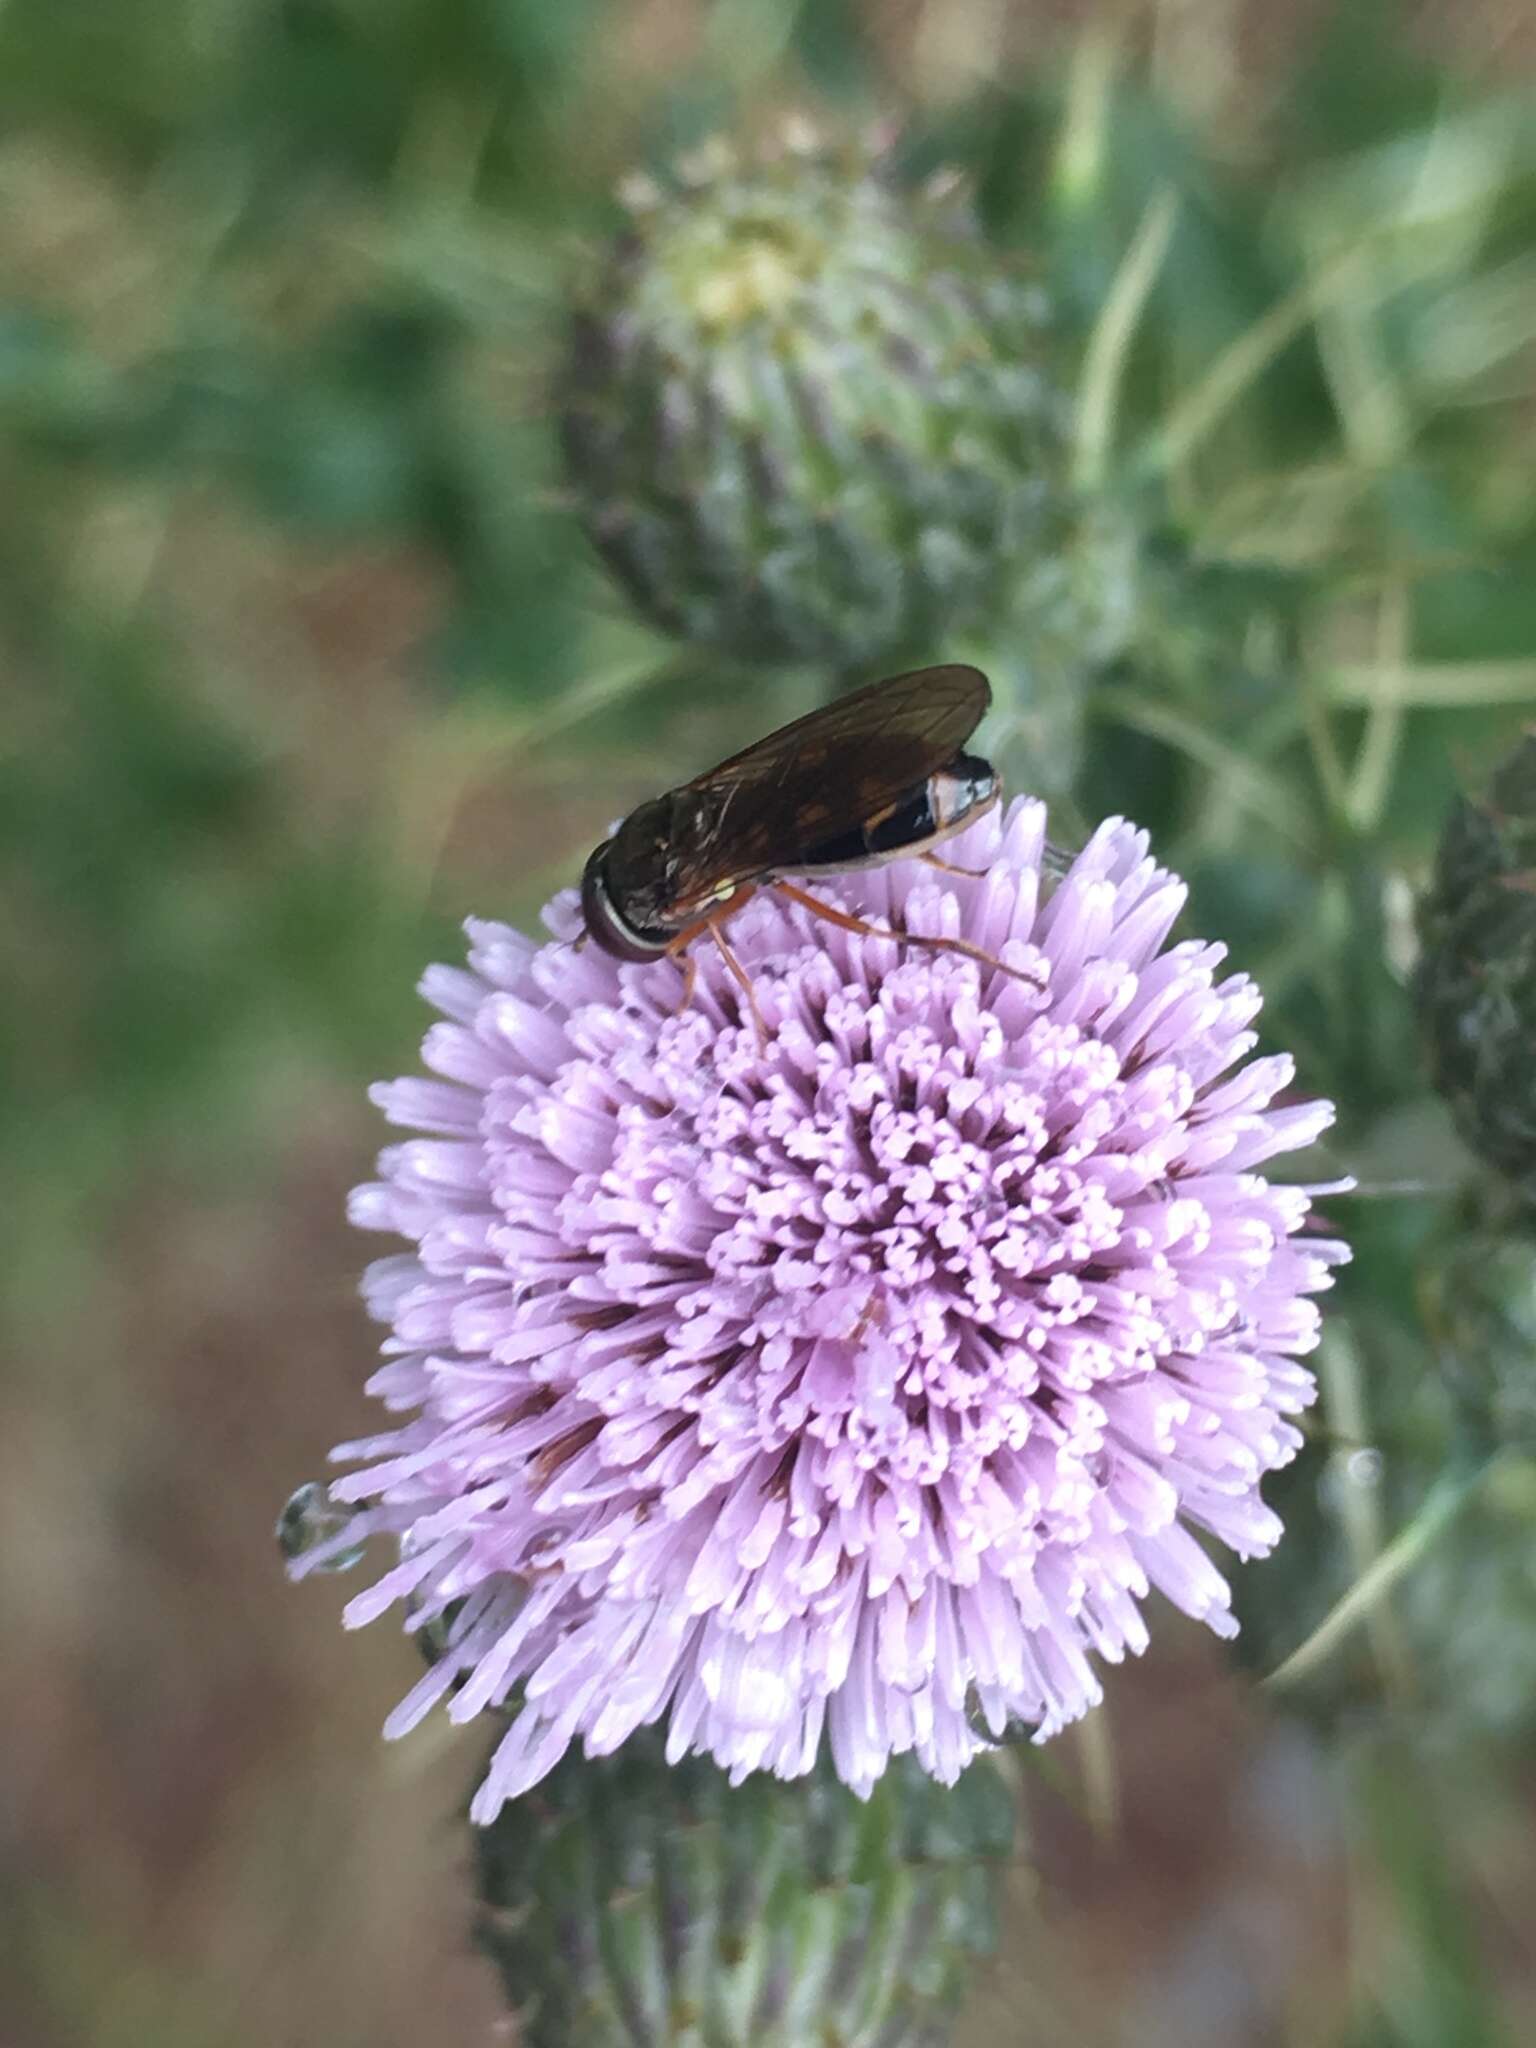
x: 1479, y: 1302
x: 627, y: 1902
x: 807, y: 412
x: 1476, y: 984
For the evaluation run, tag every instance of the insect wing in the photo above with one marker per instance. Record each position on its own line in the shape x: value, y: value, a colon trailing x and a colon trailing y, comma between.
x: 827, y: 773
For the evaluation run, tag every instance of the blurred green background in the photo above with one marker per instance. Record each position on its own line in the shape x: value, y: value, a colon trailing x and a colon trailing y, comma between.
x: 304, y: 657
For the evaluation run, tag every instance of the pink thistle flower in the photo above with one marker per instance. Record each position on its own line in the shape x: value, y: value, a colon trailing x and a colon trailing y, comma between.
x: 865, y: 1384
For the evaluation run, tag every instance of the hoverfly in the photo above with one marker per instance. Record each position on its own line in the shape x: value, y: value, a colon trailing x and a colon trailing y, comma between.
x: 878, y: 775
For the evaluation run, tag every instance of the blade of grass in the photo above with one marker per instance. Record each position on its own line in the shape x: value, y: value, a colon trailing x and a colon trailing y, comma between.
x: 1379, y: 745
x: 1081, y: 150
x: 1369, y: 405
x: 1359, y: 1504
x: 1444, y: 1501
x: 1291, y: 518
x: 1244, y: 361
x: 1099, y: 1774
x: 1393, y: 253
x: 1109, y: 345
x: 1250, y: 787
x: 1439, y: 685
x: 1327, y: 762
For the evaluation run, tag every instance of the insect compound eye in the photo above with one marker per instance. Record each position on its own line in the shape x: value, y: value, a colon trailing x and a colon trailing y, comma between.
x: 596, y: 909
x: 605, y: 921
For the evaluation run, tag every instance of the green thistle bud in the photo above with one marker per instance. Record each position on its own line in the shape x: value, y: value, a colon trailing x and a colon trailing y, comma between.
x: 629, y: 1902
x: 806, y: 412
x: 1476, y: 983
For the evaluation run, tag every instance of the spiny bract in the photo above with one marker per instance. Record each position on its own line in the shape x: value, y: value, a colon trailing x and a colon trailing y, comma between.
x: 629, y: 1903
x: 1476, y: 982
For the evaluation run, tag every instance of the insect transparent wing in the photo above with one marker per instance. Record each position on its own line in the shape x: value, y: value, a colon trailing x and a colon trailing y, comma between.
x: 928, y: 714
x: 825, y: 774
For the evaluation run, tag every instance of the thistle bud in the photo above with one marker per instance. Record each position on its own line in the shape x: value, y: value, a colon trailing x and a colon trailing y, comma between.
x: 807, y: 412
x: 626, y: 1900
x: 1476, y: 983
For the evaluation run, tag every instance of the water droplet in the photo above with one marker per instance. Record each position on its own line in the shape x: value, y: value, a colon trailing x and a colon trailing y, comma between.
x: 979, y: 1721
x: 1364, y: 1467
x: 309, y: 1518
x: 434, y: 1638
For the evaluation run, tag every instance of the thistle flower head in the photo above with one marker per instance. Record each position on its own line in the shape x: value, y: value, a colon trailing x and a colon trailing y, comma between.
x: 859, y: 1385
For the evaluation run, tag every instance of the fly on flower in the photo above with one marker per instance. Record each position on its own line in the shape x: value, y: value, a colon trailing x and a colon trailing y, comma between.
x: 879, y: 775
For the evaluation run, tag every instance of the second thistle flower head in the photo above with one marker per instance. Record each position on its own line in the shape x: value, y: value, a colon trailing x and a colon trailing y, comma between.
x: 807, y: 412
x: 862, y: 1384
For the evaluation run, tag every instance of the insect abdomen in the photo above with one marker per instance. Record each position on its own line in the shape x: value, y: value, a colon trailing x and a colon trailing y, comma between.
x: 938, y: 807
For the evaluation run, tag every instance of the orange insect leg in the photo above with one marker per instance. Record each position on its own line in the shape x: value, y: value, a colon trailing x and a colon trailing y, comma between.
x: 950, y: 867
x: 713, y: 924
x: 845, y: 922
x: 690, y: 966
x: 742, y: 979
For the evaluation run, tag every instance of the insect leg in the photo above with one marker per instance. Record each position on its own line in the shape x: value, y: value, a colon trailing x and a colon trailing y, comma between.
x: 847, y: 923
x: 1054, y: 861
x: 950, y: 867
x: 690, y: 966
x: 742, y: 979
x: 678, y: 950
